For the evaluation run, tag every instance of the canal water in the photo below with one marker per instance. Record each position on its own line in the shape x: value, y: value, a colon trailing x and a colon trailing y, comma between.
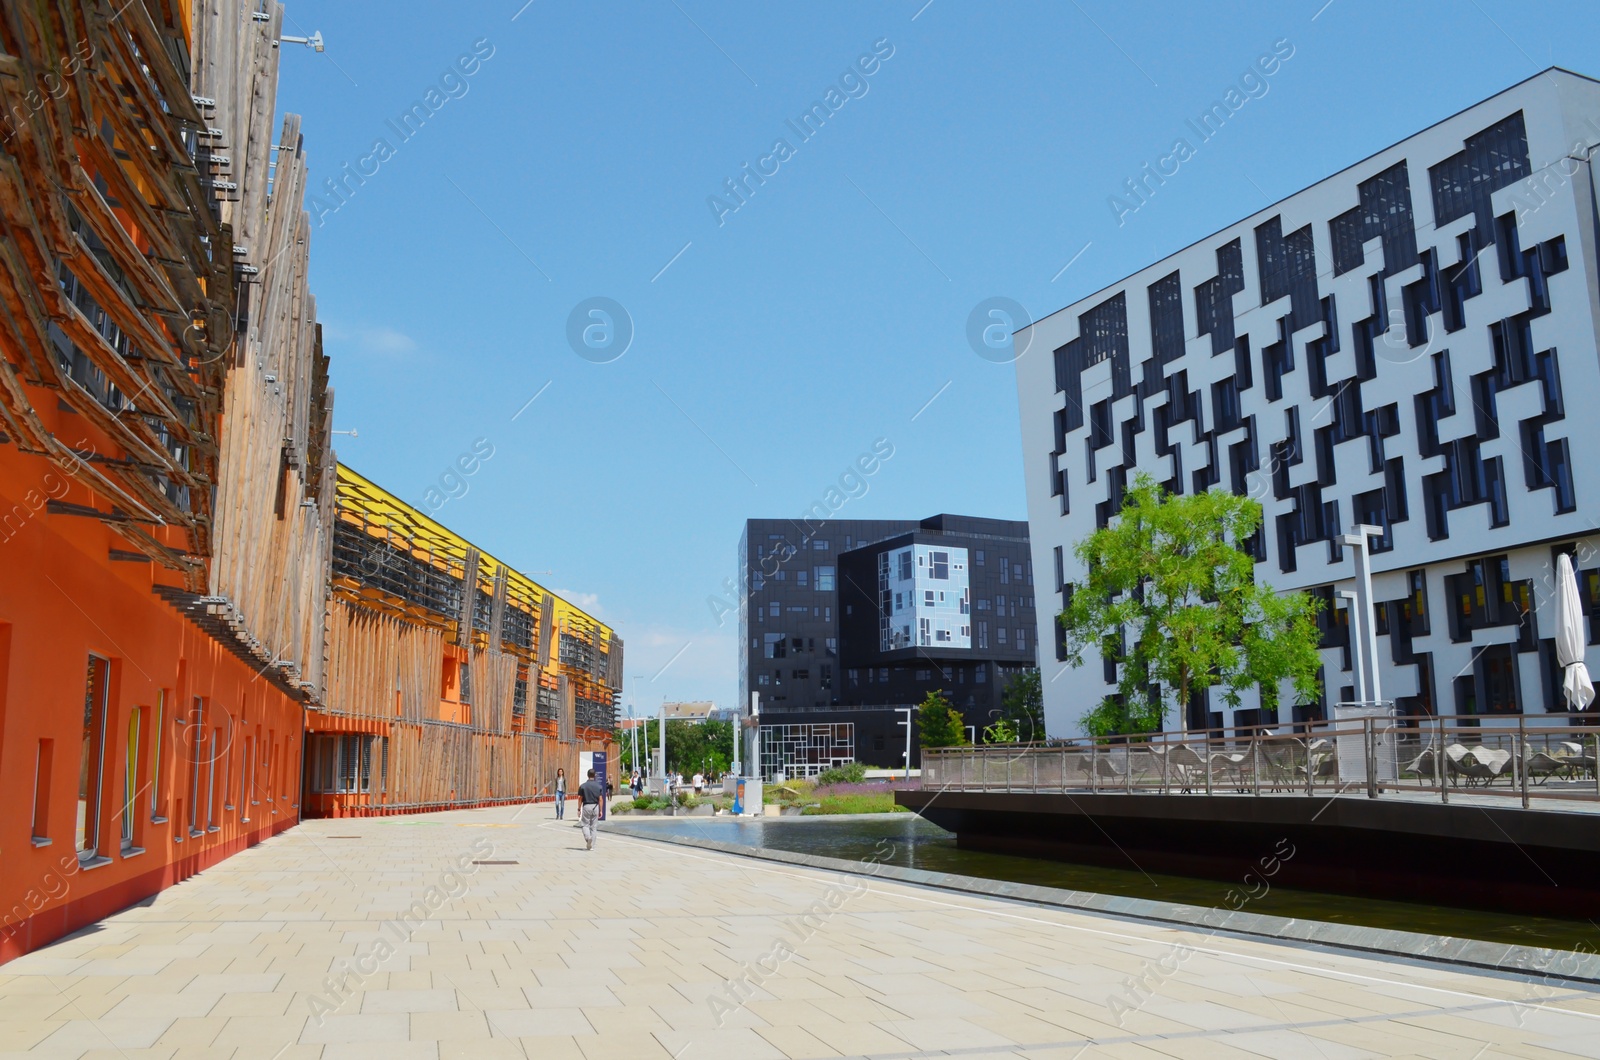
x: 920, y: 844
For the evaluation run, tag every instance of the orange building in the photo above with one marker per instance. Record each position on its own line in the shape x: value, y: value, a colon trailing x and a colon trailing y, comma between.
x: 166, y: 486
x: 453, y: 680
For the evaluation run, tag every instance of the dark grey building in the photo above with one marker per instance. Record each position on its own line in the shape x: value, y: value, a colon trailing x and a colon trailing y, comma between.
x: 844, y: 621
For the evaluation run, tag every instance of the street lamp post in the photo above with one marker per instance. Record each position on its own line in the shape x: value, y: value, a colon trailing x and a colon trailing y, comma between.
x: 907, y: 723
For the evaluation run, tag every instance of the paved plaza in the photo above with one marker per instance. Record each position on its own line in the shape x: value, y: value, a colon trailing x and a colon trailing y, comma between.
x: 493, y: 933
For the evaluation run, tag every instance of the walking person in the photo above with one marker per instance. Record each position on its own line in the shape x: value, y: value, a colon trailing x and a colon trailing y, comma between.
x: 590, y: 792
x: 561, y: 794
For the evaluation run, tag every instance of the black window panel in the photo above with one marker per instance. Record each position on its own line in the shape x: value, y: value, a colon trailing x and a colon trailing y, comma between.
x: 1166, y: 318
x: 1213, y: 300
x: 1102, y: 333
x: 1241, y: 362
x: 1288, y: 268
x: 1277, y: 360
x: 1384, y: 212
x: 1492, y: 159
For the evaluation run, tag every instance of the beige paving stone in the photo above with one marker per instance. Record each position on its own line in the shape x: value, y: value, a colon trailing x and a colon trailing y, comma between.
x: 630, y: 1045
x: 538, y: 1023
x: 435, y: 1026
x: 796, y: 1043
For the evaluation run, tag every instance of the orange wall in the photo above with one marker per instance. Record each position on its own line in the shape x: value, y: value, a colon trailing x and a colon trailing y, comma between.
x: 61, y: 599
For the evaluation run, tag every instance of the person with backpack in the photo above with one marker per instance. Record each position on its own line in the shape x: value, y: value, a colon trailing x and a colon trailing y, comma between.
x: 590, y: 792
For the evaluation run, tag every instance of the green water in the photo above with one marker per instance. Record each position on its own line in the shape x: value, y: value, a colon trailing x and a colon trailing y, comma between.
x: 919, y: 844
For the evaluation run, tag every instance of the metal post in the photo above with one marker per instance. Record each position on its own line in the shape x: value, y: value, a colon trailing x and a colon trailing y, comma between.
x: 1439, y: 765
x: 1063, y: 769
x: 1255, y: 761
x: 1310, y: 765
x: 1094, y: 767
x: 1035, y: 760
x: 1522, y: 760
x: 1127, y: 768
x: 1372, y: 756
x: 1166, y: 756
x: 1597, y: 764
x: 1206, y: 759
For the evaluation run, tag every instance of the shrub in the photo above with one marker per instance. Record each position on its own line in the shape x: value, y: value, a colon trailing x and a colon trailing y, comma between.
x: 854, y: 773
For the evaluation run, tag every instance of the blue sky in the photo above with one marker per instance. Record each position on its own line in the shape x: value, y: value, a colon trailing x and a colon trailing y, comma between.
x: 773, y: 343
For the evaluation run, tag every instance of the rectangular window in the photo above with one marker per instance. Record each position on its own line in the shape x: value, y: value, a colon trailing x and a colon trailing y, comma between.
x: 1061, y: 569
x: 41, y: 791
x: 819, y: 545
x: 825, y: 579
x: 156, y: 722
x: 939, y: 566
x: 999, y: 607
x: 904, y: 564
x: 977, y: 557
x: 1005, y: 572
x: 194, y: 725
x: 1022, y: 639
x: 247, y: 776
x: 924, y: 627
x: 775, y: 609
x: 942, y: 635
x: 214, y: 745
x: 1000, y: 635
x: 802, y: 675
x: 91, y: 770
x: 983, y: 634
x: 927, y: 597
x: 130, y: 779
x: 800, y: 577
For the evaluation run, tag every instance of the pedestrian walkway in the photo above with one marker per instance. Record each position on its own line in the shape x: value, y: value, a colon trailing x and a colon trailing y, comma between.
x: 493, y: 933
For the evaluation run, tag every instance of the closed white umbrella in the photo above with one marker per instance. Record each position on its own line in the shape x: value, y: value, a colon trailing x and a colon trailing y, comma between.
x: 1575, y: 683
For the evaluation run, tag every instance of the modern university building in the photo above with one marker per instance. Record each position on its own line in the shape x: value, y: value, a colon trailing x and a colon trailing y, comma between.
x: 844, y: 623
x: 1396, y: 345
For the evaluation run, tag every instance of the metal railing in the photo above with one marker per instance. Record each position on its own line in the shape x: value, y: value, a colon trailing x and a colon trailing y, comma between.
x: 1545, y: 758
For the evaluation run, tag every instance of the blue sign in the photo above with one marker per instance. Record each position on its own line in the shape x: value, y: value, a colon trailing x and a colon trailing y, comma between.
x: 599, y: 766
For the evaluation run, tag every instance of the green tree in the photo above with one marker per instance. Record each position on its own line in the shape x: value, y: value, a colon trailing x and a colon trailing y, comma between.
x: 1002, y: 731
x: 938, y: 723
x: 1022, y: 706
x: 692, y: 746
x: 1172, y: 599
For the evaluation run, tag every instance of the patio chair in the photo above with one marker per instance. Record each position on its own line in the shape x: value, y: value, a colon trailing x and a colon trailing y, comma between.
x: 1108, y: 768
x: 1541, y: 766
x: 1282, y: 763
x: 1185, y: 765
x: 1424, y: 766
x: 1461, y: 763
x: 1237, y: 764
x: 1498, y: 762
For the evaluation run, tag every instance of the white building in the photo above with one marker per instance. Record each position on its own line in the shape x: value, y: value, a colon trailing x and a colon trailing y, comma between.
x: 924, y: 598
x: 1396, y: 345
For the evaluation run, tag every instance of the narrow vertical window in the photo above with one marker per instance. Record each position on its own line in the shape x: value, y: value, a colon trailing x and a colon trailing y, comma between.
x: 212, y: 746
x: 41, y: 793
x: 227, y: 766
x: 156, y: 721
x: 194, y: 732
x: 91, y: 769
x: 130, y: 779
